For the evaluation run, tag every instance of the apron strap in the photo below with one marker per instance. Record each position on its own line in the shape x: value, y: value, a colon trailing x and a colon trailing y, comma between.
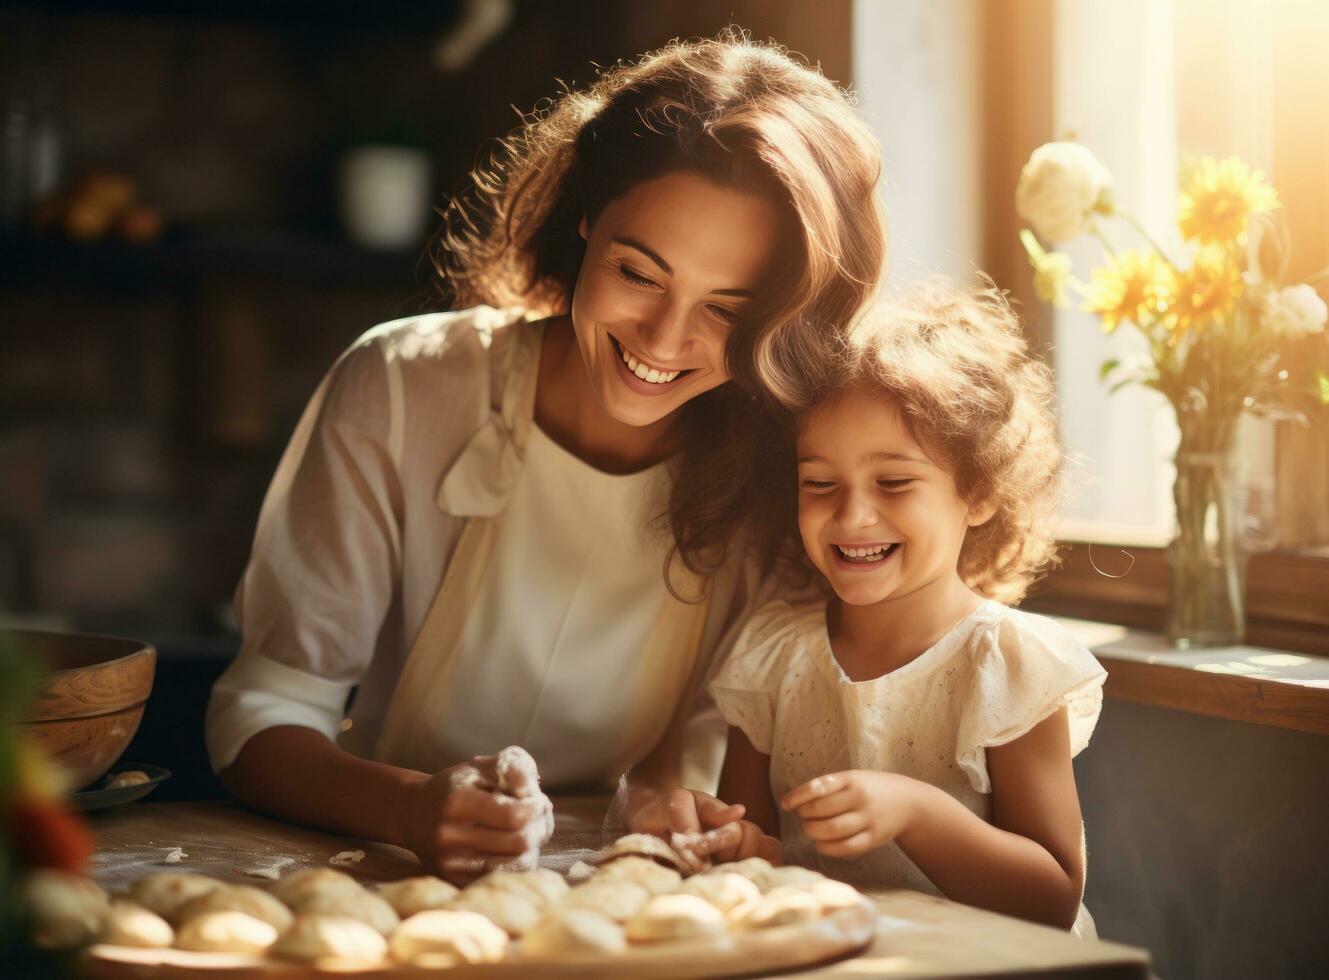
x: 408, y: 727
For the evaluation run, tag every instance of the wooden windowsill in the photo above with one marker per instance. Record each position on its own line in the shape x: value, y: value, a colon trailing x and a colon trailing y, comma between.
x: 1287, y: 593
x: 1252, y: 684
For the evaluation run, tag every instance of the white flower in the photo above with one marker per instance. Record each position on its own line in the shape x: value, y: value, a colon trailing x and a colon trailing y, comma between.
x: 1296, y: 311
x: 1060, y: 187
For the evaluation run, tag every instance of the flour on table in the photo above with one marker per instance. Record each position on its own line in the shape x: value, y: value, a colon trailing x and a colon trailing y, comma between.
x: 173, y: 855
x: 347, y: 857
x: 272, y: 871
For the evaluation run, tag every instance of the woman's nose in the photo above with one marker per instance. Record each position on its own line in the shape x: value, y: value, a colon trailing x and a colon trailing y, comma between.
x: 666, y: 333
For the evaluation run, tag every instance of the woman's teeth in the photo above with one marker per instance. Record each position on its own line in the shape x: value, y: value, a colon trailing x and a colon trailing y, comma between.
x: 645, y: 373
x: 876, y: 553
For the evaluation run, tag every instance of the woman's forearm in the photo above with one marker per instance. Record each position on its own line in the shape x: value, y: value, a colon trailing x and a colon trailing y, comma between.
x: 299, y: 775
x: 972, y: 861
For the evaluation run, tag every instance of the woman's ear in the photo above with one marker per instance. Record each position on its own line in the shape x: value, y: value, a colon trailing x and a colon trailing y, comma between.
x: 584, y: 229
x: 981, y: 512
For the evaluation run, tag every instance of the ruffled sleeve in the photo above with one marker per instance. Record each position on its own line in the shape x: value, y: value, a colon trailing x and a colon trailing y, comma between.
x: 1025, y: 668
x: 746, y: 686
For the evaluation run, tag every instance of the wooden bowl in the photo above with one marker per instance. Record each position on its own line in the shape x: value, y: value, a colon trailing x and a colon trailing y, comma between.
x: 90, y: 700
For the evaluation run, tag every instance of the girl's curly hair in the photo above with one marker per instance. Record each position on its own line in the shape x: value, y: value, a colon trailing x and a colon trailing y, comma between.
x: 956, y: 363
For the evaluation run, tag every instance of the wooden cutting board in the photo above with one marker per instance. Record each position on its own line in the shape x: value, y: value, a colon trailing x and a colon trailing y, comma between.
x: 914, y: 934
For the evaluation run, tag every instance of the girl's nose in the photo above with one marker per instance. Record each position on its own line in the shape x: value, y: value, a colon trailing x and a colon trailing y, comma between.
x: 856, y: 511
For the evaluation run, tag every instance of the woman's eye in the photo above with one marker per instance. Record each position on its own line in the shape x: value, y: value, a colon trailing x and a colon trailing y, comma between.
x: 628, y: 274
x: 723, y: 314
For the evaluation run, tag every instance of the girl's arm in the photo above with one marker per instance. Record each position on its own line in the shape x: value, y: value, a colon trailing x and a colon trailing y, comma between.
x: 746, y: 779
x: 1028, y: 863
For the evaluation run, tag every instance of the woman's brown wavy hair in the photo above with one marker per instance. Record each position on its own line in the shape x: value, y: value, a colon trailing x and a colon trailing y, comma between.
x: 957, y: 364
x: 747, y: 116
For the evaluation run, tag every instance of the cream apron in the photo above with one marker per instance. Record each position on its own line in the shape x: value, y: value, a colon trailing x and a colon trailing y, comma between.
x: 477, y: 488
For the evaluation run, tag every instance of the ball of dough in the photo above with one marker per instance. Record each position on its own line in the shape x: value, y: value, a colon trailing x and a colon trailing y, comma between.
x: 226, y: 932
x: 134, y: 777
x: 66, y: 909
x: 128, y: 924
x: 315, y: 937
x: 723, y: 889
x: 781, y: 906
x: 513, y: 912
x: 446, y: 938
x: 789, y: 875
x: 294, y: 888
x: 750, y: 868
x: 360, y: 904
x: 419, y: 894
x: 542, y: 884
x: 166, y: 893
x: 834, y: 895
x: 676, y: 917
x: 617, y: 898
x: 239, y: 898
x: 565, y: 932
x: 654, y: 877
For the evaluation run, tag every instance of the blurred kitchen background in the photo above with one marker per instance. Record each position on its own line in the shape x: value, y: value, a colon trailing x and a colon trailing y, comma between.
x: 203, y: 204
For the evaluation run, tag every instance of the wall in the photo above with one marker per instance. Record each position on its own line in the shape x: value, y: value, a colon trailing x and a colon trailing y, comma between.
x: 1207, y: 842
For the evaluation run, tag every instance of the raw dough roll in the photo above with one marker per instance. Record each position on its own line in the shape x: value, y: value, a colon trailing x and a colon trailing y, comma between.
x: 166, y: 893
x: 338, y: 937
x: 294, y: 888
x: 239, y: 898
x: 567, y: 932
x: 619, y: 899
x: 443, y: 938
x: 66, y: 909
x: 675, y: 917
x: 359, y: 904
x: 419, y: 894
x: 226, y: 932
x: 128, y: 924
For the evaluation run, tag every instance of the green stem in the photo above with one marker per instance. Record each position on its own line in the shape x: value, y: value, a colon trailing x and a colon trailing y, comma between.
x: 1134, y: 223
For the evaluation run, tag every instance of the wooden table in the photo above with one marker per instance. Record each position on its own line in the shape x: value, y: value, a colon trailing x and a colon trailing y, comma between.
x: 918, y: 935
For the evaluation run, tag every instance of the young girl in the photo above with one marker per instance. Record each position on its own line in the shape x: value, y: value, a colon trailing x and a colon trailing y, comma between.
x: 912, y: 730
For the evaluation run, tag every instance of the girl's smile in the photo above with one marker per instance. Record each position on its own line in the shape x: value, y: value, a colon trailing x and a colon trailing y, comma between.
x: 880, y: 518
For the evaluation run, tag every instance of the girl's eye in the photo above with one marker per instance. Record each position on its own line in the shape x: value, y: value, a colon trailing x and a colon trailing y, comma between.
x: 627, y: 273
x: 817, y: 485
x: 895, y: 484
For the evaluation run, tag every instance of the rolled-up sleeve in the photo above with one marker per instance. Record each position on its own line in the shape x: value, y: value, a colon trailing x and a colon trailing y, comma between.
x: 324, y: 565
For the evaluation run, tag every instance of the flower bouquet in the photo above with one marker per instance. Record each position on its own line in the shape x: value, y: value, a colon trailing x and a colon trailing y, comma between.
x: 1219, y: 326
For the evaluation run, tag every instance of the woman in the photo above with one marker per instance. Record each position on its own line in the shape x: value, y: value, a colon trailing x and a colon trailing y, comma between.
x: 519, y: 523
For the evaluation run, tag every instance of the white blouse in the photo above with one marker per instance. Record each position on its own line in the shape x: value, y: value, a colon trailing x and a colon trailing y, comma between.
x: 354, y: 537
x: 988, y: 681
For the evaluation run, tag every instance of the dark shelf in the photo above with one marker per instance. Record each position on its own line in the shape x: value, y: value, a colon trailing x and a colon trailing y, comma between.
x: 182, y: 257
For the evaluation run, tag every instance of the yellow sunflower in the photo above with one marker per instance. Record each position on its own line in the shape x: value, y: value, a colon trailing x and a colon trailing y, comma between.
x: 1135, y: 285
x: 1218, y: 198
x: 1206, y: 292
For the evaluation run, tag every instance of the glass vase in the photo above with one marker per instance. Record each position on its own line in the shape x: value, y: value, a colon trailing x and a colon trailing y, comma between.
x: 1206, y: 559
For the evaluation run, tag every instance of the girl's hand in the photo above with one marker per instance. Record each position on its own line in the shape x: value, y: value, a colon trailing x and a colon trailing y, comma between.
x: 460, y: 827
x: 753, y: 843
x: 847, y: 814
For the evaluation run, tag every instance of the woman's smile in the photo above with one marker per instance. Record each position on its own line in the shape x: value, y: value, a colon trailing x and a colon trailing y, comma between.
x: 643, y: 376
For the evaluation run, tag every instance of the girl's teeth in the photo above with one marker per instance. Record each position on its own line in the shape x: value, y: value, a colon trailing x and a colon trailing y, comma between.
x: 864, y: 553
x: 647, y: 374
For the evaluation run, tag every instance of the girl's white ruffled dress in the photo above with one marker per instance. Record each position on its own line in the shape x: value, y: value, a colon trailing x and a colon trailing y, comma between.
x: 991, y: 679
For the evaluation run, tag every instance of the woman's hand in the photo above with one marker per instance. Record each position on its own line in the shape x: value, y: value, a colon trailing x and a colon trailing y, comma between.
x: 847, y: 814
x: 753, y: 843
x: 696, y: 824
x: 460, y: 827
